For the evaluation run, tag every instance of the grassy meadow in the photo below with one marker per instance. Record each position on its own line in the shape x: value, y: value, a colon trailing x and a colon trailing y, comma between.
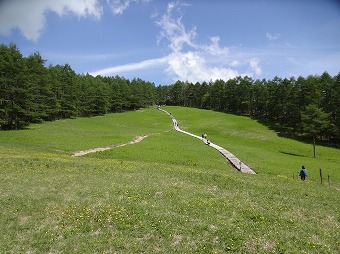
x: 169, y: 193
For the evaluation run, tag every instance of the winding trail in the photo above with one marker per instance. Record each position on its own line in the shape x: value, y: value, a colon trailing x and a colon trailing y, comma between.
x: 236, y: 162
x: 94, y: 150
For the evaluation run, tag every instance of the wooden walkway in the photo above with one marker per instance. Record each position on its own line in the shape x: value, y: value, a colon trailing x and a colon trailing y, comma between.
x: 236, y: 162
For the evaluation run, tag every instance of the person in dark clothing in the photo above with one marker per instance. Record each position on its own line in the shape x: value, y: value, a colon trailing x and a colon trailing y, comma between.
x: 303, y: 173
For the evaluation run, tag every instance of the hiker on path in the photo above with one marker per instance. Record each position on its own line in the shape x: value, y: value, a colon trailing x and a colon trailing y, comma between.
x: 303, y: 173
x: 204, y: 136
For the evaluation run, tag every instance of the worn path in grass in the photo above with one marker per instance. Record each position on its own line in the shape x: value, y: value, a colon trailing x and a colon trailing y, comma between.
x: 236, y: 162
x: 94, y: 150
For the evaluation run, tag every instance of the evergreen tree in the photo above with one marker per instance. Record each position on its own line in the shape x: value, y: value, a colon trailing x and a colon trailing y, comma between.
x: 335, y: 108
x: 40, y: 101
x: 93, y: 96
x: 257, y: 103
x: 217, y: 98
x: 13, y: 99
x: 64, y: 89
x: 314, y: 122
x: 163, y: 95
x: 205, y: 99
x: 177, y: 94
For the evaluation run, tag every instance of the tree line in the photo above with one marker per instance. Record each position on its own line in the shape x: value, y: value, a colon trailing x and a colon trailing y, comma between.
x: 303, y: 106
x: 30, y: 92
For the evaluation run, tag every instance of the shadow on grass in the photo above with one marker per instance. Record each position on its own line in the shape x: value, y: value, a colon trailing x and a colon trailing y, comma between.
x: 293, y: 154
x: 291, y: 133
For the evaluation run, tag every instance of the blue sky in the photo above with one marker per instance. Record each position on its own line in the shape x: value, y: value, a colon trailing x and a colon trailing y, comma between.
x: 165, y: 41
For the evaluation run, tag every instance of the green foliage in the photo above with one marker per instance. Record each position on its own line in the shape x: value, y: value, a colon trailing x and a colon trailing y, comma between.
x: 12, y: 88
x: 314, y: 120
x: 32, y: 93
x: 278, y: 100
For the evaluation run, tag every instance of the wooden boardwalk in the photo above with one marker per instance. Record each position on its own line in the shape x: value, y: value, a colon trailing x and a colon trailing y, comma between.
x: 236, y: 162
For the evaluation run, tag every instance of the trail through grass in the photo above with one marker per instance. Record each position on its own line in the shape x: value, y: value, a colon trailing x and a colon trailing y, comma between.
x: 258, y: 146
x: 168, y: 193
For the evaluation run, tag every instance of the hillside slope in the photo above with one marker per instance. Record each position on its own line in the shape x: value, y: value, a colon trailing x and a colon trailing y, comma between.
x: 158, y: 196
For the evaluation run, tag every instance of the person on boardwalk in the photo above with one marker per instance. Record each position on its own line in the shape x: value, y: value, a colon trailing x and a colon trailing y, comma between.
x: 303, y: 173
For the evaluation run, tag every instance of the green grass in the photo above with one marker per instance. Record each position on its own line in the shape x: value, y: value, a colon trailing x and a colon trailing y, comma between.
x: 256, y: 145
x: 70, y: 135
x: 169, y: 148
x: 167, y: 194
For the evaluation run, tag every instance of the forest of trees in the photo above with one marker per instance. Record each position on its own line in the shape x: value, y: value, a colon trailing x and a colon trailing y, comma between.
x: 30, y: 92
x: 304, y: 106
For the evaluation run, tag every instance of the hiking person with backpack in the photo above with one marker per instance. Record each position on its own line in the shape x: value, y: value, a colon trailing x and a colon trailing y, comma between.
x: 303, y: 173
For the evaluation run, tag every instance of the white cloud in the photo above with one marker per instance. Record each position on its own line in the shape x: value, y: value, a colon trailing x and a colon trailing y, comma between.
x: 273, y: 37
x: 254, y: 65
x: 189, y: 60
x: 214, y: 48
x: 29, y: 16
x: 235, y: 63
x: 119, y: 6
x: 192, y: 61
x: 192, y: 67
x: 130, y: 67
x: 174, y: 31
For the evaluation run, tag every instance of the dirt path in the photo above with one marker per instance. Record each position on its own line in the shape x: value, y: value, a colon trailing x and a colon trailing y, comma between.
x: 94, y: 150
x: 237, y: 163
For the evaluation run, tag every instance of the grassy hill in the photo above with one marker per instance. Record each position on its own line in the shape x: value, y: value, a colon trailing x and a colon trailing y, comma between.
x: 168, y: 193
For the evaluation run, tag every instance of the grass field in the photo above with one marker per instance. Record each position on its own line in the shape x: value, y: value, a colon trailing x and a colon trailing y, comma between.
x: 168, y: 193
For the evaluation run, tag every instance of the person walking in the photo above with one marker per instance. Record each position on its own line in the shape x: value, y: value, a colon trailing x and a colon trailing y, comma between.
x: 303, y: 173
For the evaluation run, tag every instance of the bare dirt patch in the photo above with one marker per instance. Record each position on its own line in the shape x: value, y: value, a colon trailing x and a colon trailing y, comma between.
x: 99, y: 149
